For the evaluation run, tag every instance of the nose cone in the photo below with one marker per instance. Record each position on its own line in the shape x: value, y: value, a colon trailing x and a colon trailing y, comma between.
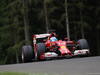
x: 64, y: 50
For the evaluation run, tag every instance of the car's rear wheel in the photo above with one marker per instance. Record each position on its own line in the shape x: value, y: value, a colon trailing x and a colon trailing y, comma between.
x: 27, y: 53
x: 40, y: 48
x: 83, y: 44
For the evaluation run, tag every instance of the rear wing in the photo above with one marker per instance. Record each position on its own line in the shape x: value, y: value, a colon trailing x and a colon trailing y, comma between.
x: 41, y: 35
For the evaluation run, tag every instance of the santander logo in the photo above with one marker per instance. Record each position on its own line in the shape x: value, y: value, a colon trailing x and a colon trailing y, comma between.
x: 49, y: 55
x: 79, y: 51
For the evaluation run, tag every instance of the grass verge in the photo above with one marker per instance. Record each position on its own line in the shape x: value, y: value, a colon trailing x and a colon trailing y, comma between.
x: 13, y: 73
x: 19, y: 73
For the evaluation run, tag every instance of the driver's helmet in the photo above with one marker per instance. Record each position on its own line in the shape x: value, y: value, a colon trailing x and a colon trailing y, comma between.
x: 53, y: 39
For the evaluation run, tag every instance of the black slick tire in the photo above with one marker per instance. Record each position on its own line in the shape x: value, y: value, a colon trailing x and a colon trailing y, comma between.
x: 40, y: 48
x: 83, y: 44
x: 27, y: 53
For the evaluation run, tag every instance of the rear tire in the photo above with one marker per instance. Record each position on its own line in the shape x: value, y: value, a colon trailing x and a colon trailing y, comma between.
x: 27, y: 53
x: 40, y: 48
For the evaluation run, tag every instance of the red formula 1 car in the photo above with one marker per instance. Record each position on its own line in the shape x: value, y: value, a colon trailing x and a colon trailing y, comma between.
x: 51, y: 47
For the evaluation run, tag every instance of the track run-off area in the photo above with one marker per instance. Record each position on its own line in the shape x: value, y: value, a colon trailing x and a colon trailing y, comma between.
x: 72, y: 66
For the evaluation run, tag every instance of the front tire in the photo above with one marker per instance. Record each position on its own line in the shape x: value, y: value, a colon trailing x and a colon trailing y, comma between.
x: 40, y: 48
x: 27, y: 53
x: 83, y: 44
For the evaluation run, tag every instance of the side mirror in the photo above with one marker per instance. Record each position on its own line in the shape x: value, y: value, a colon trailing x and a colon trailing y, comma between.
x: 66, y: 39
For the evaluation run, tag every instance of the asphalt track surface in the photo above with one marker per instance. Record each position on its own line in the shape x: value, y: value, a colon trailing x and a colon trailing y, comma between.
x: 73, y: 66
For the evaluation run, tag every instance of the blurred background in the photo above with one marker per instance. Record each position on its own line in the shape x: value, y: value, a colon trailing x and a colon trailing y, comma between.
x: 21, y: 19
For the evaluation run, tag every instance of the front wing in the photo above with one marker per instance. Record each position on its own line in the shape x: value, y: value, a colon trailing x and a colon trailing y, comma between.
x: 53, y: 54
x: 81, y: 52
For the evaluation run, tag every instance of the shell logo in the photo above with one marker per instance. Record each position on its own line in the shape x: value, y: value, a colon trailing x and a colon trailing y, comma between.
x: 50, y: 44
x: 85, y: 50
x: 63, y: 46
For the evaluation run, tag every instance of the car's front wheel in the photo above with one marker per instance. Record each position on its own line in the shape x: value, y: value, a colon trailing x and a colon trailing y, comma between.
x: 83, y: 44
x: 40, y: 48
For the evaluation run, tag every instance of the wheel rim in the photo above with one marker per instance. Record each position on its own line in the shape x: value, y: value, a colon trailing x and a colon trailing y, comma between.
x: 36, y: 55
x: 22, y: 56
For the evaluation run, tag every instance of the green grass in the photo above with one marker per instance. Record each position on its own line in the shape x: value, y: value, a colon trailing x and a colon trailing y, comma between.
x: 13, y: 73
x: 19, y: 73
